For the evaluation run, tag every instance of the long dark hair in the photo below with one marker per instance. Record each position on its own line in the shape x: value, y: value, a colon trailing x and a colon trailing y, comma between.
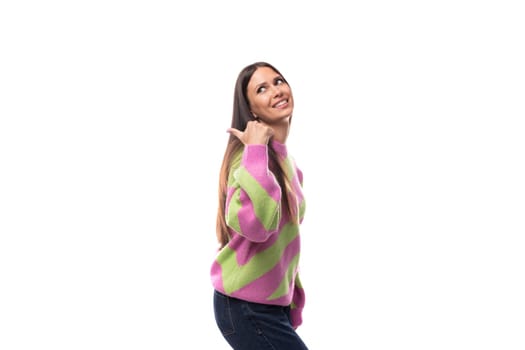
x: 240, y: 118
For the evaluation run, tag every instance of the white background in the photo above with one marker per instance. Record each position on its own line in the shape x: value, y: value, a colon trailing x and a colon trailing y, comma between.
x: 408, y: 127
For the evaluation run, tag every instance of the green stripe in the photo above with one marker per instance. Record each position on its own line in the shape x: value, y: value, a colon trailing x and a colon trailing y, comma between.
x: 302, y: 208
x: 232, y: 219
x: 265, y: 208
x: 238, y: 276
x: 283, y: 288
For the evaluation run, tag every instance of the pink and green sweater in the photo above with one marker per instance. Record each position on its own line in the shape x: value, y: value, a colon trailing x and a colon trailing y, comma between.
x: 260, y: 263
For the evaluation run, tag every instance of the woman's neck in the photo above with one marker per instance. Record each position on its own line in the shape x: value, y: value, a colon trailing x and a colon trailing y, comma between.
x: 281, y: 131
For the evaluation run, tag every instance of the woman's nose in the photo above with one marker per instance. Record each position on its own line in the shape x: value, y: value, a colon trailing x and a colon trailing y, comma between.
x: 277, y: 91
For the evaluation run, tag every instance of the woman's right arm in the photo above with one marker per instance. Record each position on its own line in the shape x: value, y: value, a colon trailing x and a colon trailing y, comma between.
x: 253, y: 202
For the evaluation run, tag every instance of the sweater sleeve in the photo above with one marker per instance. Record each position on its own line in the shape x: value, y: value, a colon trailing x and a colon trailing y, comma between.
x: 253, y: 202
x: 298, y: 300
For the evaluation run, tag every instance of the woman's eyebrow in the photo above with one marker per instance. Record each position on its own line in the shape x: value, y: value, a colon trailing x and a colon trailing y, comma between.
x: 277, y: 76
x: 260, y: 84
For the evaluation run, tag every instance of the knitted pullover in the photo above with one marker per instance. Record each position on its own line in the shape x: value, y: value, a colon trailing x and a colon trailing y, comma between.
x: 260, y: 262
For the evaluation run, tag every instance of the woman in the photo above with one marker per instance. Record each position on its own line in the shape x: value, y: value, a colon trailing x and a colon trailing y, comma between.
x: 258, y: 297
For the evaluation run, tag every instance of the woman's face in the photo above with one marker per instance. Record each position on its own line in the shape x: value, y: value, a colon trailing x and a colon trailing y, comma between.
x: 269, y: 96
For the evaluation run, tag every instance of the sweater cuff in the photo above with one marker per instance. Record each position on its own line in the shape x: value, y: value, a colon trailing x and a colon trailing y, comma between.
x: 296, y: 317
x: 255, y: 158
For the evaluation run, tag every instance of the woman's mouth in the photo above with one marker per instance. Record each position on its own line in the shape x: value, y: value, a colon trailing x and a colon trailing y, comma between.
x: 281, y: 104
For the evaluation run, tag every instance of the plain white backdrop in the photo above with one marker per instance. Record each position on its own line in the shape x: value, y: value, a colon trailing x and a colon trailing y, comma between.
x: 408, y: 127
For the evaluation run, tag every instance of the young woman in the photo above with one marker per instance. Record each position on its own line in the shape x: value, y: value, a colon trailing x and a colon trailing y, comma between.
x: 258, y: 297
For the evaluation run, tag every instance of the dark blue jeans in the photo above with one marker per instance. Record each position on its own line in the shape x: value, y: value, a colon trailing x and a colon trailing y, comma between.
x: 253, y: 326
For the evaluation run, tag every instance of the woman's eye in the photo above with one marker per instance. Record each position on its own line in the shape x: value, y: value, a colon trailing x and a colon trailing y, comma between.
x: 261, y: 89
x: 279, y: 81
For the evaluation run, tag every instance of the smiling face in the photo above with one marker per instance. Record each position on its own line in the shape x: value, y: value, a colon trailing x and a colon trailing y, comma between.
x: 270, y: 96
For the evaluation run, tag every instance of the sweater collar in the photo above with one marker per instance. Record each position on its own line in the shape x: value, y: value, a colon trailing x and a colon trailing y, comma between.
x: 280, y: 148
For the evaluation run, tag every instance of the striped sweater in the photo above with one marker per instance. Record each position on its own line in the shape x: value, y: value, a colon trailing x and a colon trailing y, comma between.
x: 260, y: 263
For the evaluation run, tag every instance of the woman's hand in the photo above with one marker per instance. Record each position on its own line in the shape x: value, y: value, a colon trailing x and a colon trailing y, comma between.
x: 256, y: 133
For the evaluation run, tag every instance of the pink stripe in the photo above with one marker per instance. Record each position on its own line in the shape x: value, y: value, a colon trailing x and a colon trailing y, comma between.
x: 216, y: 276
x: 298, y: 192
x: 244, y: 250
x: 268, y: 283
x: 255, y: 161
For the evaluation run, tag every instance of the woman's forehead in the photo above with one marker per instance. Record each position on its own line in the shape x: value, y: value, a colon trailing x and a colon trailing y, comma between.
x: 262, y: 75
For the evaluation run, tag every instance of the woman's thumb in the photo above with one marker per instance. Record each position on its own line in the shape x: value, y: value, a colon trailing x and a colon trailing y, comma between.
x: 235, y: 132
